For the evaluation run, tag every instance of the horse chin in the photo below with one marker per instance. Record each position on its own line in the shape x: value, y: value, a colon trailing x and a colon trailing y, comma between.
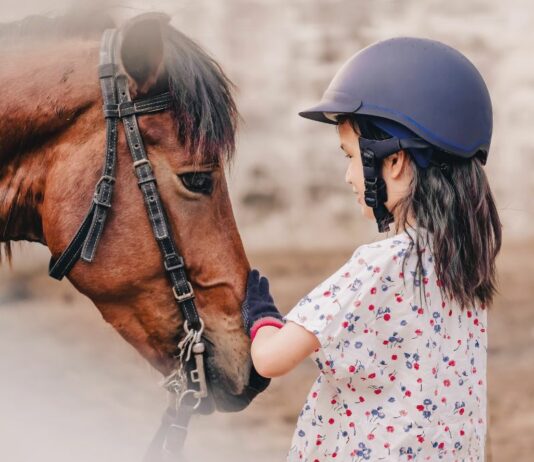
x: 225, y: 401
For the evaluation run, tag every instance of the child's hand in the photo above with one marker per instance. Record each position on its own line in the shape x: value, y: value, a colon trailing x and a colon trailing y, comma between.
x: 258, y: 308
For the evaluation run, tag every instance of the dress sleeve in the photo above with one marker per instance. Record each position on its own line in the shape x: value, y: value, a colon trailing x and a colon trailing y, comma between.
x: 323, y: 310
x: 342, y: 311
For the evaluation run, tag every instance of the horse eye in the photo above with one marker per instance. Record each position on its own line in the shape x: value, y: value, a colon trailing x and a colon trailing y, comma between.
x: 199, y: 182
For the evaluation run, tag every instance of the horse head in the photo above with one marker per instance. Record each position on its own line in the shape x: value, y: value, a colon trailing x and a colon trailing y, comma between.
x: 54, y: 137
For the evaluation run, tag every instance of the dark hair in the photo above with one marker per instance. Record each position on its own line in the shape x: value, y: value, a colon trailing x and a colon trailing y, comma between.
x: 453, y: 201
x: 203, y: 104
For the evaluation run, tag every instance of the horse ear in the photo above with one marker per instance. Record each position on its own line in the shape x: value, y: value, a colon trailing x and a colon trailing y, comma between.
x: 141, y: 49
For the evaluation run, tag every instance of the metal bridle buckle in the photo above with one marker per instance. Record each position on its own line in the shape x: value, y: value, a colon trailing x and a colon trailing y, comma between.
x: 171, y: 267
x: 104, y: 178
x: 185, y: 296
x: 139, y: 162
x: 102, y: 196
x: 176, y: 382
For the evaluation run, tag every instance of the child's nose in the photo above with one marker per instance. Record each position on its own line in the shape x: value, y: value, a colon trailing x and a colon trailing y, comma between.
x: 347, y: 175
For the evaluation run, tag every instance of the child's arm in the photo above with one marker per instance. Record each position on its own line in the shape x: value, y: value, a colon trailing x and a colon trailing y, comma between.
x: 277, y: 347
x: 277, y: 351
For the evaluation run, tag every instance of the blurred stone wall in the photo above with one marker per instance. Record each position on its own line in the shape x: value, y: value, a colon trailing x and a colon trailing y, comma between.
x: 287, y: 182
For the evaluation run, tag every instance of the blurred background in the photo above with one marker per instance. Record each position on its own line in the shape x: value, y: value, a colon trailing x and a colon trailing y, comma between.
x: 72, y: 389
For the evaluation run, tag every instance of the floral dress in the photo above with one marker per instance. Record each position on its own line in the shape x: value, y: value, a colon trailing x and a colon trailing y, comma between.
x: 402, y: 376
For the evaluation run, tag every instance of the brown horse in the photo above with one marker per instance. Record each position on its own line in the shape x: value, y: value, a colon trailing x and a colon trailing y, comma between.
x: 52, y: 137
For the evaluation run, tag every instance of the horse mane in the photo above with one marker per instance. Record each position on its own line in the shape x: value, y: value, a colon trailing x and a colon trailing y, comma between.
x: 203, y: 105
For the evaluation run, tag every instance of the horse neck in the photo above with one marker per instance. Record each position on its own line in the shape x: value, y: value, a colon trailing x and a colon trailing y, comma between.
x: 45, y: 88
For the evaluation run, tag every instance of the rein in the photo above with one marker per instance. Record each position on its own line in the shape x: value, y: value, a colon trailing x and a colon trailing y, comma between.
x: 118, y: 105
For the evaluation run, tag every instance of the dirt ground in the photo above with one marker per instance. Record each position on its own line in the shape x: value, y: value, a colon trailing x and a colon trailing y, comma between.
x: 72, y: 389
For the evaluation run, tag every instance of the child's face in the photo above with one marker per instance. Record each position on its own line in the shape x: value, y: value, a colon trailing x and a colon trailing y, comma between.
x: 354, y: 174
x: 396, y: 171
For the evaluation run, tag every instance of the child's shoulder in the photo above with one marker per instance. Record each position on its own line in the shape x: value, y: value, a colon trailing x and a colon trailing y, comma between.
x: 386, y: 260
x: 394, y: 246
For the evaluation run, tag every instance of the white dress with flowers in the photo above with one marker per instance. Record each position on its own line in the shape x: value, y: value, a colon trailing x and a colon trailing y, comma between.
x: 400, y: 378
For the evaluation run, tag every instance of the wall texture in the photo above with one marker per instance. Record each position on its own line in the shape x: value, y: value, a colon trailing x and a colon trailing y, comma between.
x: 287, y: 181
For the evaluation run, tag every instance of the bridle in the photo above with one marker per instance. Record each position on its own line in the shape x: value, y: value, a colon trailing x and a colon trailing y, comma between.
x: 118, y: 105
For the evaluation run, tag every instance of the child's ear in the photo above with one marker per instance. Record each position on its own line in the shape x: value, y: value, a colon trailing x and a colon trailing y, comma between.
x: 396, y: 163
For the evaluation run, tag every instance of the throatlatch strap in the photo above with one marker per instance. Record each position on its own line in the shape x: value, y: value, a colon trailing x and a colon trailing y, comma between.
x: 86, y: 238
x: 104, y: 187
x: 58, y: 268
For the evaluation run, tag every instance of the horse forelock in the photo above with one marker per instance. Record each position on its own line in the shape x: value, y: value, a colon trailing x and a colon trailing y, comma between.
x: 204, y: 108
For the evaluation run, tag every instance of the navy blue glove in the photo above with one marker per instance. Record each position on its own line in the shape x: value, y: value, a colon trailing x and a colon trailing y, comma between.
x: 258, y: 309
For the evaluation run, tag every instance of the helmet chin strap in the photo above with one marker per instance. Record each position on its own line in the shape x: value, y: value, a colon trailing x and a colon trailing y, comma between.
x: 375, y: 190
x: 373, y: 152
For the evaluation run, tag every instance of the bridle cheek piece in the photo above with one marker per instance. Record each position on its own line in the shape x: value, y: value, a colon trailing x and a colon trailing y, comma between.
x: 118, y: 105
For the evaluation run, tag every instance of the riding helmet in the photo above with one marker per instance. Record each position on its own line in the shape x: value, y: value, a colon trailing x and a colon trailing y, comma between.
x: 423, y: 93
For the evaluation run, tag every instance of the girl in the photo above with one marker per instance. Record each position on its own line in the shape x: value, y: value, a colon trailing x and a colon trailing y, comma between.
x: 399, y: 332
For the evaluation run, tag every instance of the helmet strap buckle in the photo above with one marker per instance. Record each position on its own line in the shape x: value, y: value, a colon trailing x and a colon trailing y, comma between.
x: 375, y: 192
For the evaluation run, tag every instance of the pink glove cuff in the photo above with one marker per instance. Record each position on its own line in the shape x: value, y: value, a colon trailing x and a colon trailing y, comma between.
x: 266, y: 321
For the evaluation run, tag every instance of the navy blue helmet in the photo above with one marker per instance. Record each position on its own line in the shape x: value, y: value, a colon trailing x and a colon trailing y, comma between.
x: 423, y: 93
x: 424, y: 85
